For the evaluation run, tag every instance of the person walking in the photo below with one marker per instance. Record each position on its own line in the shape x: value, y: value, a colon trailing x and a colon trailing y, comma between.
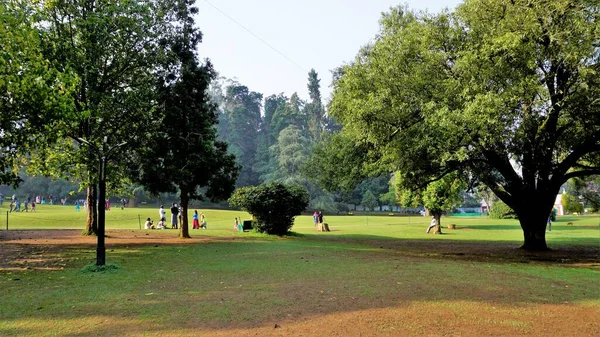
x: 316, y: 218
x: 196, y: 221
x: 320, y: 219
x: 549, y: 224
x: 174, y: 212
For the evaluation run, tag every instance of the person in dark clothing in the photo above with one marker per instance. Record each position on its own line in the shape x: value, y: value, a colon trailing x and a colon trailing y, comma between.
x: 174, y: 213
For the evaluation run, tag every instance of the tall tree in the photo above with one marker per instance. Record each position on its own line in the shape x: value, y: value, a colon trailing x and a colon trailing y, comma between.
x: 116, y: 48
x: 506, y: 90
x: 32, y: 91
x: 291, y: 152
x: 314, y: 109
x: 183, y: 152
x: 242, y: 108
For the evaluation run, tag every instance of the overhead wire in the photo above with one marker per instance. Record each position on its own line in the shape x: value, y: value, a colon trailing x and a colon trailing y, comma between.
x: 256, y: 36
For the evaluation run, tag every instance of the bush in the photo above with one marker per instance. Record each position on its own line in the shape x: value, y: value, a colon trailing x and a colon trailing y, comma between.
x: 501, y: 210
x: 273, y: 205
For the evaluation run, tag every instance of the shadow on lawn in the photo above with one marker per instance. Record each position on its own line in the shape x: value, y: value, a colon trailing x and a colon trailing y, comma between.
x: 248, y: 283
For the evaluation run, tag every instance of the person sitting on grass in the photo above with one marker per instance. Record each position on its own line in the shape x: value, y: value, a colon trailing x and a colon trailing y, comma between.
x: 202, y: 221
x: 149, y: 224
x: 162, y: 224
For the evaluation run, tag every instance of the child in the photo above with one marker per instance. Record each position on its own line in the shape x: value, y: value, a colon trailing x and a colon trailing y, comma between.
x: 196, y: 222
x: 161, y: 224
x: 33, y: 206
x: 203, y: 221
x: 235, y: 224
x: 149, y: 224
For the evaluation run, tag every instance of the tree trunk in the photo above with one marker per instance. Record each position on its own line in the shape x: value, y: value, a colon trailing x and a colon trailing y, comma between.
x: 534, y: 224
x: 533, y: 209
x: 101, y: 248
x: 184, y: 231
x: 91, y: 226
x: 438, y: 219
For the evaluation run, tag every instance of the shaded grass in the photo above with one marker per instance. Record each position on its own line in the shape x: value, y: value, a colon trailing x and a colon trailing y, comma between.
x: 245, y: 284
x: 258, y: 280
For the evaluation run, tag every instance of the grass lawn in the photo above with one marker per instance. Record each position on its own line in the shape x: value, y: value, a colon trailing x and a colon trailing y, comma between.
x: 375, y: 276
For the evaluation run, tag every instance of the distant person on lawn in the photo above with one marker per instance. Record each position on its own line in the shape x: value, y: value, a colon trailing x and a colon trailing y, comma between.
x: 196, y: 221
x: 174, y: 212
x: 202, y: 221
x: 149, y: 224
x: 162, y: 224
x: 433, y: 224
x: 162, y: 213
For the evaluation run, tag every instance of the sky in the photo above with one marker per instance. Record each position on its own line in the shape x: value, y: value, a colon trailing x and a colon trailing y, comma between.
x: 283, y: 39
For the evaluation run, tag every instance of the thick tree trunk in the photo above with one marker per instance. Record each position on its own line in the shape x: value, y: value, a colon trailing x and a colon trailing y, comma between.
x: 91, y: 226
x: 184, y: 231
x: 534, y: 229
x: 533, y: 212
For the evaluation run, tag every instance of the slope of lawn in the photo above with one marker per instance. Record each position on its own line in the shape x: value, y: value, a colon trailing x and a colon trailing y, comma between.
x: 360, y: 279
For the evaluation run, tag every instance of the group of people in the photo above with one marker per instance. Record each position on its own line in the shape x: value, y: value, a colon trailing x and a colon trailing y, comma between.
x: 15, y: 206
x: 199, y: 220
x: 319, y: 224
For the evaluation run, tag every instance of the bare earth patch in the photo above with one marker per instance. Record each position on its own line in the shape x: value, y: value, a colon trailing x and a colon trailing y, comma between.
x: 46, y: 249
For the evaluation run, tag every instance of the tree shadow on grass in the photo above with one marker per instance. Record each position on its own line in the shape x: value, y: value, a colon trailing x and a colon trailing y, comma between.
x: 249, y: 283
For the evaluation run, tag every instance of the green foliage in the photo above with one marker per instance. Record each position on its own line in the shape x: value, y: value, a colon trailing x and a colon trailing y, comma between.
x: 500, y: 210
x: 273, y: 205
x: 438, y: 196
x: 33, y: 92
x: 473, y: 91
x: 587, y: 190
x: 369, y: 200
x: 571, y: 203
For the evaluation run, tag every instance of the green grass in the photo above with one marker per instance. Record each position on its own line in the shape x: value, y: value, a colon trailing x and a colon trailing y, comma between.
x: 252, y: 280
x: 585, y: 230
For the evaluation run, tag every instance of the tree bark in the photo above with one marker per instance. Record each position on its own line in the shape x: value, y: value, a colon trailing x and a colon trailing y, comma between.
x: 438, y: 218
x: 184, y: 231
x: 101, y: 248
x: 533, y: 222
x: 91, y: 226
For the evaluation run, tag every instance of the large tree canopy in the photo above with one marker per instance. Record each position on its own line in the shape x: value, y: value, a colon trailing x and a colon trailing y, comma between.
x: 504, y: 90
x: 32, y: 91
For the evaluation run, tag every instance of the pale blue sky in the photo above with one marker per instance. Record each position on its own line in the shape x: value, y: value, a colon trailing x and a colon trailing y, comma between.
x: 320, y: 34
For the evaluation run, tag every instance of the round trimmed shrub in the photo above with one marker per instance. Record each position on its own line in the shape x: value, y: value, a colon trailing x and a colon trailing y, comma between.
x: 274, y: 205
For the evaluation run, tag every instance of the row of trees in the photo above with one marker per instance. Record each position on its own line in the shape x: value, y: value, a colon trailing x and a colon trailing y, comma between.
x: 111, y: 92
